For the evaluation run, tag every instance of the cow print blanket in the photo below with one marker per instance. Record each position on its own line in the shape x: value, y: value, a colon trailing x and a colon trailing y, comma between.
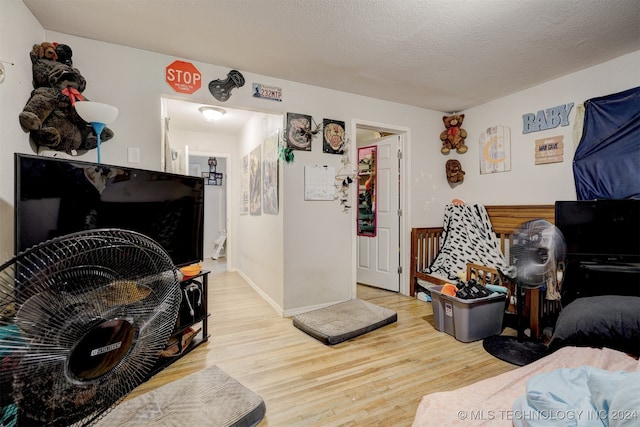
x: 468, y: 237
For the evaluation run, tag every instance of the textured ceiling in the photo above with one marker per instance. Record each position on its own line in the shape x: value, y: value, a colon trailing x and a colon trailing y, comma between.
x: 445, y: 55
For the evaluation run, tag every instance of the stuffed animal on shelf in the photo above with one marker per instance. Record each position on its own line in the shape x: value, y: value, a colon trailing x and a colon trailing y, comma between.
x: 49, y: 115
x: 454, y: 171
x: 453, y: 136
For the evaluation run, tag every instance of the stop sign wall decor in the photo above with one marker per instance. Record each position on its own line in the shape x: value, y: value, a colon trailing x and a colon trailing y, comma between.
x: 183, y: 77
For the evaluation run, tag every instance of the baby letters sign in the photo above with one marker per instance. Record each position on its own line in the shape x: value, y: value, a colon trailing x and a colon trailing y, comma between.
x: 546, y: 119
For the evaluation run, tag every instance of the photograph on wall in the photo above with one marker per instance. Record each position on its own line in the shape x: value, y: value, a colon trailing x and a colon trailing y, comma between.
x: 244, y: 192
x: 270, y: 175
x: 298, y: 131
x: 255, y: 181
x: 333, y: 136
x: 495, y: 150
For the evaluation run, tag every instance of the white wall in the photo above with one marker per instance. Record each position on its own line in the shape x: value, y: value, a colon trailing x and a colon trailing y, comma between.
x: 311, y: 262
x: 526, y: 183
x: 18, y: 32
x: 259, y: 252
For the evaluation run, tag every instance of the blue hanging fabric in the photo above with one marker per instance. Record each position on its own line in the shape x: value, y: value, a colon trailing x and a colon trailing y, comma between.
x: 606, y: 164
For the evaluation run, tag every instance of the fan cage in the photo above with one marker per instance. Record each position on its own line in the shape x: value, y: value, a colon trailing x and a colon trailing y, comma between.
x: 55, y: 295
x: 538, y: 250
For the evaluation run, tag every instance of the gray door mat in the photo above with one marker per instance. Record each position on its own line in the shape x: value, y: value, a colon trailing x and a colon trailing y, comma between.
x: 206, y: 398
x: 343, y: 321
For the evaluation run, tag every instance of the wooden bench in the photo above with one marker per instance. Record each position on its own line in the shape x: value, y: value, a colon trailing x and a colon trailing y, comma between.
x: 505, y: 219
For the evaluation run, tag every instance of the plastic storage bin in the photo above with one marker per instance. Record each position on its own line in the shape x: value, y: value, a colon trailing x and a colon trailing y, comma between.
x: 467, y: 320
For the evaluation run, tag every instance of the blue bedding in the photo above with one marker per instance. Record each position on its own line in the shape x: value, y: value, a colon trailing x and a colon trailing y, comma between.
x: 584, y: 397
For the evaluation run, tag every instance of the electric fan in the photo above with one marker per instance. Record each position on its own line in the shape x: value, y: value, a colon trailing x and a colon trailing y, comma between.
x: 83, y: 319
x: 538, y: 250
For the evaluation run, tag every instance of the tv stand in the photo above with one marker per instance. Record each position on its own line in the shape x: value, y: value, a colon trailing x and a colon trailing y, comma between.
x: 187, y: 320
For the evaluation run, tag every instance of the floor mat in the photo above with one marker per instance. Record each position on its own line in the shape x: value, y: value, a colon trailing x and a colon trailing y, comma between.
x: 514, y: 351
x: 340, y: 322
x: 206, y: 398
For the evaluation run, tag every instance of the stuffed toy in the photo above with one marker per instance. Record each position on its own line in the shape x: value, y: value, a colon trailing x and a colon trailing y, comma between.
x: 453, y: 137
x: 454, y: 171
x: 49, y: 115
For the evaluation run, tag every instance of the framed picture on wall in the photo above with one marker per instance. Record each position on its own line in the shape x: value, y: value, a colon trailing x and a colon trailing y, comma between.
x: 270, y: 175
x: 333, y: 136
x: 255, y: 181
x: 495, y: 150
x: 298, y: 129
x: 244, y: 186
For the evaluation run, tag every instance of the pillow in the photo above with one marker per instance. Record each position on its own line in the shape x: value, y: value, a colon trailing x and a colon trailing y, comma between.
x: 611, y: 321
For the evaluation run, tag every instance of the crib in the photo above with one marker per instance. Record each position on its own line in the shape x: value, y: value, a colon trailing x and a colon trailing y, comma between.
x: 505, y: 219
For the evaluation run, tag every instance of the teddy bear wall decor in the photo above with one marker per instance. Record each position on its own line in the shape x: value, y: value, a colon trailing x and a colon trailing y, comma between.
x: 455, y: 174
x: 453, y: 136
x: 49, y: 115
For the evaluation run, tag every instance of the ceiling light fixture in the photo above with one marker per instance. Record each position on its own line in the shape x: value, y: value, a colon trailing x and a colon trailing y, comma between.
x: 211, y: 114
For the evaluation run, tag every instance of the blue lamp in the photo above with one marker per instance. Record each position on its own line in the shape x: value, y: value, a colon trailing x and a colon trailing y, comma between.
x: 98, y: 115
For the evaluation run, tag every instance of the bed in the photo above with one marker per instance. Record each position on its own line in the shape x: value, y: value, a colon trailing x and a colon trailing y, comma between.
x: 505, y: 220
x: 595, y: 338
x: 490, y: 402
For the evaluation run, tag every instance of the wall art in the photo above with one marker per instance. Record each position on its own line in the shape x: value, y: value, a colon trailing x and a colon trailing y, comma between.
x: 221, y: 89
x: 453, y: 169
x: 495, y: 150
x: 547, y: 119
x: 213, y: 176
x: 549, y: 150
x: 298, y: 131
x: 255, y: 181
x: 183, y: 77
x: 270, y: 175
x: 333, y: 136
x: 244, y: 186
x: 453, y: 135
x: 272, y: 93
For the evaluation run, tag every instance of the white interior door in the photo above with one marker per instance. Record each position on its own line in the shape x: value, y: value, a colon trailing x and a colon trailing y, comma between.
x: 379, y: 256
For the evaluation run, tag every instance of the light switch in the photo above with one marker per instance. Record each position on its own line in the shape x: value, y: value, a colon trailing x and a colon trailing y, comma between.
x: 133, y: 155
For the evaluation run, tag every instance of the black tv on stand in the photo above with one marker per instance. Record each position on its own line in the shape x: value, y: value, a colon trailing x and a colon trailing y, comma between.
x: 55, y: 196
x: 603, y: 247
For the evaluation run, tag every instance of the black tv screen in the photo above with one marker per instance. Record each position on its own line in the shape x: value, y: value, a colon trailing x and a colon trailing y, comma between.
x: 601, y: 231
x: 54, y: 197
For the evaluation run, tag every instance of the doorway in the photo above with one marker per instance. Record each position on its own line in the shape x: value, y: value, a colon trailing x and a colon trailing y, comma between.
x: 186, y: 134
x: 213, y: 167
x: 379, y: 256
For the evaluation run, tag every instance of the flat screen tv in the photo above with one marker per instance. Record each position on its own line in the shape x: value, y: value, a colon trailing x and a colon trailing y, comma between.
x: 600, y: 231
x: 55, y: 196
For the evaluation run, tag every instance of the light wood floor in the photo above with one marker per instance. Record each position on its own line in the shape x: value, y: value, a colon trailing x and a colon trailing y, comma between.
x: 377, y: 379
